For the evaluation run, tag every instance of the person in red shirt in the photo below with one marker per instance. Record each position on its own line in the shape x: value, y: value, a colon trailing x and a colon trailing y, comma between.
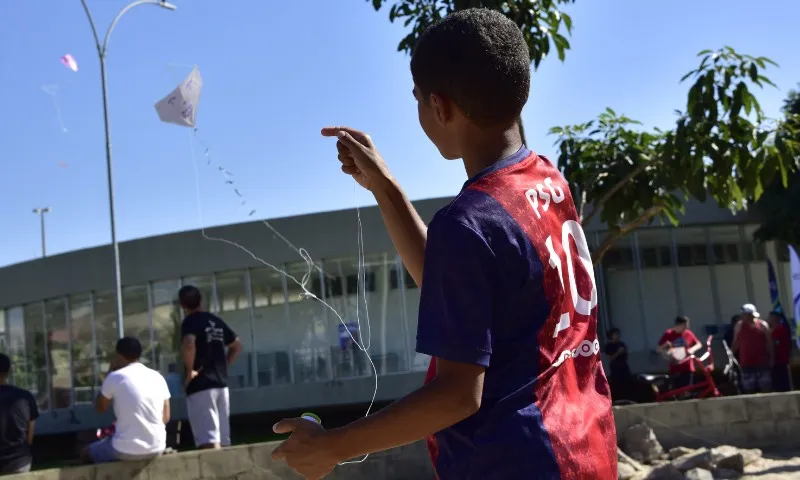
x: 753, y: 340
x: 678, y: 343
x: 782, y: 344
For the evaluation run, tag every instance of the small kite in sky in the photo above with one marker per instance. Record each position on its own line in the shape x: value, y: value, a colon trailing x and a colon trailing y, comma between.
x: 69, y: 62
x: 180, y: 106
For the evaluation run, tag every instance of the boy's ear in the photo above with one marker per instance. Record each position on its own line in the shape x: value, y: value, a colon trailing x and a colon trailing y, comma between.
x: 442, y: 108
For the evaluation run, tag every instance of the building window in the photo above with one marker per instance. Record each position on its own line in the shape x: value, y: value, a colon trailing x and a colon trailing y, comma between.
x: 231, y: 291
x: 618, y: 259
x: 60, y: 376
x: 83, y: 354
x: 665, y: 256
x: 353, y: 281
x: 267, y: 287
x: 167, y: 317
x: 650, y: 257
x: 333, y: 286
x: 15, y: 333
x: 34, y: 377
x: 732, y: 252
x: 136, y: 311
x: 692, y: 255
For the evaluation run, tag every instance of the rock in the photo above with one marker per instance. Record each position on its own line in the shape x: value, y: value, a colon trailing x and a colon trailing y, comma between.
x: 733, y: 462
x: 664, y: 472
x: 679, y: 452
x: 724, y: 474
x: 641, y: 443
x: 749, y: 455
x: 697, y: 459
x: 699, y: 474
x: 625, y: 471
x: 622, y: 458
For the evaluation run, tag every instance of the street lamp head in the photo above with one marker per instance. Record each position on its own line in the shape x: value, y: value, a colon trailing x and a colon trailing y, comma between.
x: 168, y: 6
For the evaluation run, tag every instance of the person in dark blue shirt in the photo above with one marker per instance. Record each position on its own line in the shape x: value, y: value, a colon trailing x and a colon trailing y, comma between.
x: 617, y: 353
x: 18, y: 414
x: 508, y: 307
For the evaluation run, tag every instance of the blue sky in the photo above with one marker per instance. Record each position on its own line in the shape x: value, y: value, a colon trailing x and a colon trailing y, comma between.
x: 274, y: 73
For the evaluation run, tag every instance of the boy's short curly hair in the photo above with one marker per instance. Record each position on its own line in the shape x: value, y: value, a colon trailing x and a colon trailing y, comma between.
x: 479, y: 60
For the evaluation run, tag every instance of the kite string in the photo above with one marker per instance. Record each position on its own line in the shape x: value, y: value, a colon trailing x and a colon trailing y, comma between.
x: 361, y: 268
x: 52, y: 91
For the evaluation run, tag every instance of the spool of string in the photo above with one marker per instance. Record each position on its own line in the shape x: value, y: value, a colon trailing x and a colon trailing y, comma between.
x: 361, y: 292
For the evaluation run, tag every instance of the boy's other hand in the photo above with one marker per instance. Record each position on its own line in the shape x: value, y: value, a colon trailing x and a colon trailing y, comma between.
x: 360, y: 159
x: 308, y: 450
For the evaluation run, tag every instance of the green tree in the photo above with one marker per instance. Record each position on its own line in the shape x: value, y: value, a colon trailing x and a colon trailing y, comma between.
x: 544, y: 26
x: 541, y: 21
x: 778, y: 205
x: 722, y: 147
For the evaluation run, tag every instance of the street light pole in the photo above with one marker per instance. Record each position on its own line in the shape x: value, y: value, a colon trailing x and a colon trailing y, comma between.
x: 102, y: 49
x: 41, y: 212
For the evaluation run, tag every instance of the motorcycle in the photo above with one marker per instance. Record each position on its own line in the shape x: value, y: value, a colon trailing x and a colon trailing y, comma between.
x: 706, y: 380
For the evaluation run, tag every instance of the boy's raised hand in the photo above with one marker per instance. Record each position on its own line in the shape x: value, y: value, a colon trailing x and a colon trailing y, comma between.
x: 360, y: 159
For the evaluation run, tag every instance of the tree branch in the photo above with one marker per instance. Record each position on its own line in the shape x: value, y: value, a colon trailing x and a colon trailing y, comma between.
x: 613, y: 235
x: 627, y: 178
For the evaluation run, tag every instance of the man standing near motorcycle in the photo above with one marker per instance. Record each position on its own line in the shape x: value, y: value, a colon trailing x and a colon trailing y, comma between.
x: 752, y: 339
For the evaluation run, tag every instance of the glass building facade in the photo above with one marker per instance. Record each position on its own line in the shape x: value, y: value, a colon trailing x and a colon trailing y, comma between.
x: 60, y: 346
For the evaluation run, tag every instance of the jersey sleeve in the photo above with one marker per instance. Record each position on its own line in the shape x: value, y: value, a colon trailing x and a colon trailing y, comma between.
x: 663, y: 339
x: 455, y: 312
x: 693, y: 339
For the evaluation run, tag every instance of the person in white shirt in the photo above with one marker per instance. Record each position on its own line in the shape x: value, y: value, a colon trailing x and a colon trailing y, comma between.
x: 141, y: 405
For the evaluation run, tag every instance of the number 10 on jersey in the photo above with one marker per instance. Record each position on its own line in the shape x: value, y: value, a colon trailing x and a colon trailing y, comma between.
x: 582, y: 301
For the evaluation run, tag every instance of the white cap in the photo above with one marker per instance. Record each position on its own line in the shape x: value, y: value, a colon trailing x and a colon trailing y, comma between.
x: 751, y: 309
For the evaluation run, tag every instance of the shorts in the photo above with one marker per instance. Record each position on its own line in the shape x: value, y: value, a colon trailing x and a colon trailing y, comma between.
x: 209, y: 415
x: 756, y: 380
x: 102, y: 451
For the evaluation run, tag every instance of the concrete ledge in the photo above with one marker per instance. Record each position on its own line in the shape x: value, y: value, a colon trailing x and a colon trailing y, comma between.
x: 769, y: 421
x: 249, y: 462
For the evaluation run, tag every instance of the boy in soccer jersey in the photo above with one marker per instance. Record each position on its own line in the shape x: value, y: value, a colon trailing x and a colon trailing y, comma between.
x: 515, y: 389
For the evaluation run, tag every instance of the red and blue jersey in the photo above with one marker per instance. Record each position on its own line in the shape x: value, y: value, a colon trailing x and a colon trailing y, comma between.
x: 509, y: 285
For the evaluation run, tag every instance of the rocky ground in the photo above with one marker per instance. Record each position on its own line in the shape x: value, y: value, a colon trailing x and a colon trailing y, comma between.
x: 641, y: 457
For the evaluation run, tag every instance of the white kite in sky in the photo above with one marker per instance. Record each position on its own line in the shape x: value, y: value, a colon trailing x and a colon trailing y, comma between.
x: 180, y: 106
